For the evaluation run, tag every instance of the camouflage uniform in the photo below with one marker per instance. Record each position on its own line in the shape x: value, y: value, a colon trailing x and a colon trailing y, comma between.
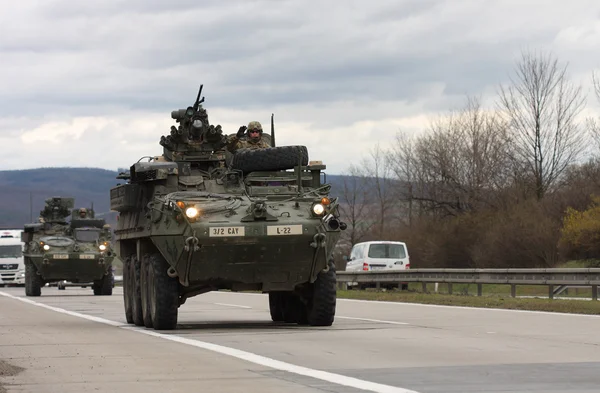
x: 261, y: 142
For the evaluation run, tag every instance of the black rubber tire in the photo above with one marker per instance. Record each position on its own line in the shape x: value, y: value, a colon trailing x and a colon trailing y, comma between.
x: 269, y: 159
x: 127, y: 295
x: 321, y: 306
x: 164, y: 294
x: 145, y: 292
x: 106, y: 288
x: 61, y: 287
x: 276, y: 306
x: 136, y: 294
x: 33, y: 281
x: 294, y: 310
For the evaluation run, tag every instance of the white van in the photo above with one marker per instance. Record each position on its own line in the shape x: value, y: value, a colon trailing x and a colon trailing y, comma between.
x: 12, y: 265
x: 378, y: 255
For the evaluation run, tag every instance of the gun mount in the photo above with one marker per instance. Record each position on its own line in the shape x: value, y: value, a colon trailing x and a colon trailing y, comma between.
x: 57, y: 210
x: 195, y: 139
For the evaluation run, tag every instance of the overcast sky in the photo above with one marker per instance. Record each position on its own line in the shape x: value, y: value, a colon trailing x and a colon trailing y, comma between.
x: 92, y: 83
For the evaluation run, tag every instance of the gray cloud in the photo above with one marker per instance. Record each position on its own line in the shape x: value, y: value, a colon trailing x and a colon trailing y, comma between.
x: 332, y: 66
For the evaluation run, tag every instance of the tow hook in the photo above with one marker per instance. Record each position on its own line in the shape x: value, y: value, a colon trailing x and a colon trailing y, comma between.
x: 191, y: 243
x: 318, y: 240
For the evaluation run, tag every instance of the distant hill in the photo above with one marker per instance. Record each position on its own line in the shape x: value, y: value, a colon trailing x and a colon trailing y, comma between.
x: 87, y: 185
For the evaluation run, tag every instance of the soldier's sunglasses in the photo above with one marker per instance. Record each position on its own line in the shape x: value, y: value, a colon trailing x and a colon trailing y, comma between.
x: 253, y: 132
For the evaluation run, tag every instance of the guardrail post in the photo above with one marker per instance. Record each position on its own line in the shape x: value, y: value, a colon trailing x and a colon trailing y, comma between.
x: 377, y: 285
x: 342, y: 286
x: 479, y: 289
x: 550, y: 291
x: 424, y: 287
x: 513, y: 290
x: 449, y: 288
x: 594, y: 292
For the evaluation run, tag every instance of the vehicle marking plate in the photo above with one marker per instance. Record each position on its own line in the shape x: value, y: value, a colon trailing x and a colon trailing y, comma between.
x: 226, y: 231
x: 283, y: 230
x: 87, y: 256
x: 60, y: 256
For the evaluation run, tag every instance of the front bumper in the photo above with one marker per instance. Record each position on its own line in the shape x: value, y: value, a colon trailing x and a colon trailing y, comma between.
x: 14, y: 277
x: 72, y: 266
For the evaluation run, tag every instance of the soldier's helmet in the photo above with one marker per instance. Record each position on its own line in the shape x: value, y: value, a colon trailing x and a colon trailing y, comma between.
x: 255, y: 126
x: 82, y: 212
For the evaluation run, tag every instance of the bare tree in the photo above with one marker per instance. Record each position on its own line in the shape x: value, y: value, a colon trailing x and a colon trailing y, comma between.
x: 403, y: 163
x: 541, y: 106
x: 593, y: 124
x: 354, y: 205
x: 381, y: 186
x: 458, y: 166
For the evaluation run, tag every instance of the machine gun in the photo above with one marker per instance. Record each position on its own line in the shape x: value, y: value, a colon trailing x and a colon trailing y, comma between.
x: 57, y: 209
x: 195, y: 134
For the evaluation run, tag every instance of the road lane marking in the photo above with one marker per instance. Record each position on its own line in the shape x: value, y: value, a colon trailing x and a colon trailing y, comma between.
x: 236, y: 353
x: 231, y: 305
x: 373, y: 320
x: 435, y: 306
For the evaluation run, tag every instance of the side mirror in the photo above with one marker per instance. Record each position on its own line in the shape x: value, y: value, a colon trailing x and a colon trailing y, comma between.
x: 346, y: 258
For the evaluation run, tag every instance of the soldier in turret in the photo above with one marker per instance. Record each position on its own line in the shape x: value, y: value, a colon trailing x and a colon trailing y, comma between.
x: 255, y: 139
x: 83, y: 212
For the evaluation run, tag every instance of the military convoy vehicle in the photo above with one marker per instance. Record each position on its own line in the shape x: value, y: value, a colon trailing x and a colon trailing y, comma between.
x: 78, y: 250
x: 199, y: 219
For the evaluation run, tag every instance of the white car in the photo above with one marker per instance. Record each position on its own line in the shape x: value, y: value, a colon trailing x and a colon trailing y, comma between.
x: 378, y: 255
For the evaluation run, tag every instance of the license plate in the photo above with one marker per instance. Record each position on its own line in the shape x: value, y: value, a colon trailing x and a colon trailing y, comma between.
x: 87, y: 256
x: 226, y: 231
x: 377, y: 267
x: 283, y: 230
x: 60, y: 256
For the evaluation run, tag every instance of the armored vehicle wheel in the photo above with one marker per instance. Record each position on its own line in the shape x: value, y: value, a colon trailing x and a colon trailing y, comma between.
x: 294, y: 310
x: 269, y: 159
x: 136, y: 294
x: 321, y: 305
x: 127, y: 284
x: 104, y: 287
x: 276, y: 306
x: 164, y: 294
x: 145, y: 289
x: 33, y: 281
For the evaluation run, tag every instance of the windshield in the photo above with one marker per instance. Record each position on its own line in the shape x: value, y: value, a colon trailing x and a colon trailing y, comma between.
x: 14, y: 251
x: 87, y: 235
x: 387, y: 251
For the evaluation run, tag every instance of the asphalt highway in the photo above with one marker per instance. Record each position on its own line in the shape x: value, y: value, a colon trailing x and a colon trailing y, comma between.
x: 72, y: 341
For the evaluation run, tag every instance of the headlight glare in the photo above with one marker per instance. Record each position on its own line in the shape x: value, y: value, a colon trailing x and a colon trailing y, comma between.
x: 318, y: 209
x: 191, y: 212
x: 102, y: 247
x: 46, y: 247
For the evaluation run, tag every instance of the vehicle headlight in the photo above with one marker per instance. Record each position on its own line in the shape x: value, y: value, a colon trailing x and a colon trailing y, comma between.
x: 102, y: 247
x: 191, y: 212
x: 46, y: 247
x: 318, y: 209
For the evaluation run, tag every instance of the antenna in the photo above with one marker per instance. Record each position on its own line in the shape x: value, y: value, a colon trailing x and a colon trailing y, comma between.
x: 272, y: 131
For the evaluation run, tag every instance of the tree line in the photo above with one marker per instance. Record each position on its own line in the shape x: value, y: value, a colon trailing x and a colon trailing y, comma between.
x: 514, y: 185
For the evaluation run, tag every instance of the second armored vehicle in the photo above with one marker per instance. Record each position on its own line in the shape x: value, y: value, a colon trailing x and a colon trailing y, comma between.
x: 195, y: 220
x: 78, y: 251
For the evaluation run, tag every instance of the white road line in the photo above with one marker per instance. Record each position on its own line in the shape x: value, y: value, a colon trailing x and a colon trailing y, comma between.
x: 236, y: 353
x: 231, y: 305
x: 373, y: 320
x: 436, y: 306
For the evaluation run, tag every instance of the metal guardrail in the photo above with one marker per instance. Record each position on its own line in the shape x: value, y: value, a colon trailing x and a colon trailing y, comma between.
x: 513, y: 277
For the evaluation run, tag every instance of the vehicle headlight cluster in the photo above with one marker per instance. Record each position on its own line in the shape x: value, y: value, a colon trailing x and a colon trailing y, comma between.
x: 46, y: 247
x: 102, y: 247
x: 319, y: 208
x: 191, y: 212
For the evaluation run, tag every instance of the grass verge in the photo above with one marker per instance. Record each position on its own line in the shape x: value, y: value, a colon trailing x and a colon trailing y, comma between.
x: 491, y: 301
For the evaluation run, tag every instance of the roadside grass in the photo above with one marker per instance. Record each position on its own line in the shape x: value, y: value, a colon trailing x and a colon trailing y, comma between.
x: 486, y: 301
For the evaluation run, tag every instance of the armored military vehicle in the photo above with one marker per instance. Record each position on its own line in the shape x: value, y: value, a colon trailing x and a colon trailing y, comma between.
x: 194, y: 220
x: 78, y: 250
